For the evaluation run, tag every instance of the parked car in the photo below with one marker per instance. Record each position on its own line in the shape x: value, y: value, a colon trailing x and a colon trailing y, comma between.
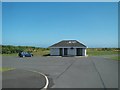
x: 25, y: 54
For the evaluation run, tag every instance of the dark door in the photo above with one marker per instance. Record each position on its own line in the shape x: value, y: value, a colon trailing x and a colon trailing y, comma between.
x: 60, y: 52
x: 65, y: 51
x: 79, y: 51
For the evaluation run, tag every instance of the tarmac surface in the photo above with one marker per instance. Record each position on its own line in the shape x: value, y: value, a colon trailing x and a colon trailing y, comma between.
x: 21, y: 78
x: 63, y: 72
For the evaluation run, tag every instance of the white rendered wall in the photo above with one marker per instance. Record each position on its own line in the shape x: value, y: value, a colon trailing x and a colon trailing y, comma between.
x: 54, y: 51
x: 71, y: 51
x: 84, y: 51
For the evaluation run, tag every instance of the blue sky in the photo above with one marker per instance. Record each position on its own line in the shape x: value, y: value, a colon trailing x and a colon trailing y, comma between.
x: 43, y: 24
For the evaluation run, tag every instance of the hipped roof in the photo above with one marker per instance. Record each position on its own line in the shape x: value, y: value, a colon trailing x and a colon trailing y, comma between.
x: 68, y: 43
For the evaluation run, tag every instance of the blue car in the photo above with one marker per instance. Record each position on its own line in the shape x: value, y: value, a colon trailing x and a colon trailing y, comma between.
x: 25, y: 54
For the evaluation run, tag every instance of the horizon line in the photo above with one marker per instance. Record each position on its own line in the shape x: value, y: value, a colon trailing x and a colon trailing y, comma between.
x: 46, y: 47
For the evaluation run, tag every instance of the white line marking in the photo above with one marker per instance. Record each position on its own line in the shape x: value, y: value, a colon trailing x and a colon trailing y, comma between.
x: 47, y: 81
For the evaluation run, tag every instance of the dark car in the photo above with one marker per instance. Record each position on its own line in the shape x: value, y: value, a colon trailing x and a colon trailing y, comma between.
x: 25, y: 54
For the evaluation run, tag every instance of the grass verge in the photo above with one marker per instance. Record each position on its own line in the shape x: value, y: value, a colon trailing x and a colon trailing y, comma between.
x: 116, y: 58
x: 99, y: 53
x: 9, y: 54
x: 106, y: 54
x: 3, y: 69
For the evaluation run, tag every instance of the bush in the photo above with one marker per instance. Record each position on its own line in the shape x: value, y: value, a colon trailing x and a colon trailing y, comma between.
x: 8, y: 49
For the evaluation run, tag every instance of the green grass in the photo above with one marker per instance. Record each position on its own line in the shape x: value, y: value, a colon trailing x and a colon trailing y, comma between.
x: 99, y: 53
x: 106, y: 54
x: 38, y: 53
x: 41, y: 52
x: 3, y: 69
x: 116, y: 58
x: 15, y: 54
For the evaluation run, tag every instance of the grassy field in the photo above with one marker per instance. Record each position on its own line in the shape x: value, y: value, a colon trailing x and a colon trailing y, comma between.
x: 107, y: 54
x: 98, y: 53
x: 41, y: 53
x: 38, y: 53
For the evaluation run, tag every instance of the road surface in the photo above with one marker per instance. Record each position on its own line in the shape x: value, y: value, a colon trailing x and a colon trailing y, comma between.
x: 69, y: 72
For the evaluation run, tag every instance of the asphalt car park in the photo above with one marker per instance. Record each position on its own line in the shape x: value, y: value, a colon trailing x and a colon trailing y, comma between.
x: 68, y: 72
x: 18, y: 78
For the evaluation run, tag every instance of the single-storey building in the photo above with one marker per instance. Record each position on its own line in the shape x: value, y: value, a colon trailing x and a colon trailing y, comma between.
x: 68, y: 48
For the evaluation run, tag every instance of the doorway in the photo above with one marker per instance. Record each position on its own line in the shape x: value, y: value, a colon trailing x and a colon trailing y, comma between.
x: 65, y: 51
x: 79, y: 51
x: 60, y: 51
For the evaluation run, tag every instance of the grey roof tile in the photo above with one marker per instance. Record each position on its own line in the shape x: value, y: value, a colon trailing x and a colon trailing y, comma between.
x: 68, y: 43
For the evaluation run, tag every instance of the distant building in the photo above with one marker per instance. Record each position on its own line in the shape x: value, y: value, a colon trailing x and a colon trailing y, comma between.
x: 68, y: 48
